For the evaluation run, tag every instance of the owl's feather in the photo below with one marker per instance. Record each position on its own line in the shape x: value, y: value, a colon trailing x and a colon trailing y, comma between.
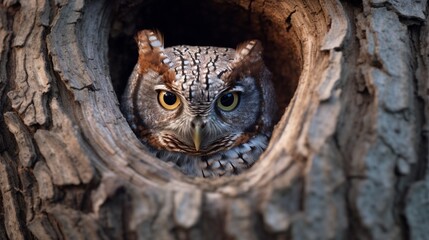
x: 152, y: 56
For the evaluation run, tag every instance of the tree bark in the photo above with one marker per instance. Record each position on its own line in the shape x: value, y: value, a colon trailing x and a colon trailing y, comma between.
x: 348, y: 159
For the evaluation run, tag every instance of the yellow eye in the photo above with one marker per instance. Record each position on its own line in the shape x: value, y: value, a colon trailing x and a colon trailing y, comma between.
x: 228, y: 101
x: 168, y: 100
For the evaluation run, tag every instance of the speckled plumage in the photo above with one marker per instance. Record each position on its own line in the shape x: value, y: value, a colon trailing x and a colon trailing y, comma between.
x: 232, y: 140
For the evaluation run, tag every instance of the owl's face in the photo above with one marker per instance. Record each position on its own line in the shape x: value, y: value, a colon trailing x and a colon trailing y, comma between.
x: 197, y: 100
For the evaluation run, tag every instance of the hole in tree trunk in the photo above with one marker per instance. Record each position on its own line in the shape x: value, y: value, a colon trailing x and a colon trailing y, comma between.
x: 207, y: 23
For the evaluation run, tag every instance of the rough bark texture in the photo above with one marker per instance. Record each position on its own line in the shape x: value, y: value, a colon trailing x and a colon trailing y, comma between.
x: 348, y: 158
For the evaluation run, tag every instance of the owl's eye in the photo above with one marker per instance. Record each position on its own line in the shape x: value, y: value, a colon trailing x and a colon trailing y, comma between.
x: 228, y: 101
x: 168, y: 100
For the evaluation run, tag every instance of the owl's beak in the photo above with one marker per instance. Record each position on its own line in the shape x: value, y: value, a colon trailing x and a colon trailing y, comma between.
x: 197, y: 136
x: 197, y: 124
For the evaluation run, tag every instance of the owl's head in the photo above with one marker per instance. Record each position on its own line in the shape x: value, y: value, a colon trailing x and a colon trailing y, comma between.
x: 198, y: 100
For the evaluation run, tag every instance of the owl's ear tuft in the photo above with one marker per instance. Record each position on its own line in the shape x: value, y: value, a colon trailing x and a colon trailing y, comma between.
x: 247, y: 61
x: 249, y: 50
x: 149, y: 41
x: 151, y: 54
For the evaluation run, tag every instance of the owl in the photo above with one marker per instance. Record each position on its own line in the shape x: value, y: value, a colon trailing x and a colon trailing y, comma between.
x: 208, y: 110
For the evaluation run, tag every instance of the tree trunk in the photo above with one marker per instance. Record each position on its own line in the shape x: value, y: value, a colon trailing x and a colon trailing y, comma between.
x: 348, y: 159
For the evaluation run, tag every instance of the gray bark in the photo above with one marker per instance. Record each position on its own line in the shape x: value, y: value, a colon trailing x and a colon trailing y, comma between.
x: 347, y: 160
